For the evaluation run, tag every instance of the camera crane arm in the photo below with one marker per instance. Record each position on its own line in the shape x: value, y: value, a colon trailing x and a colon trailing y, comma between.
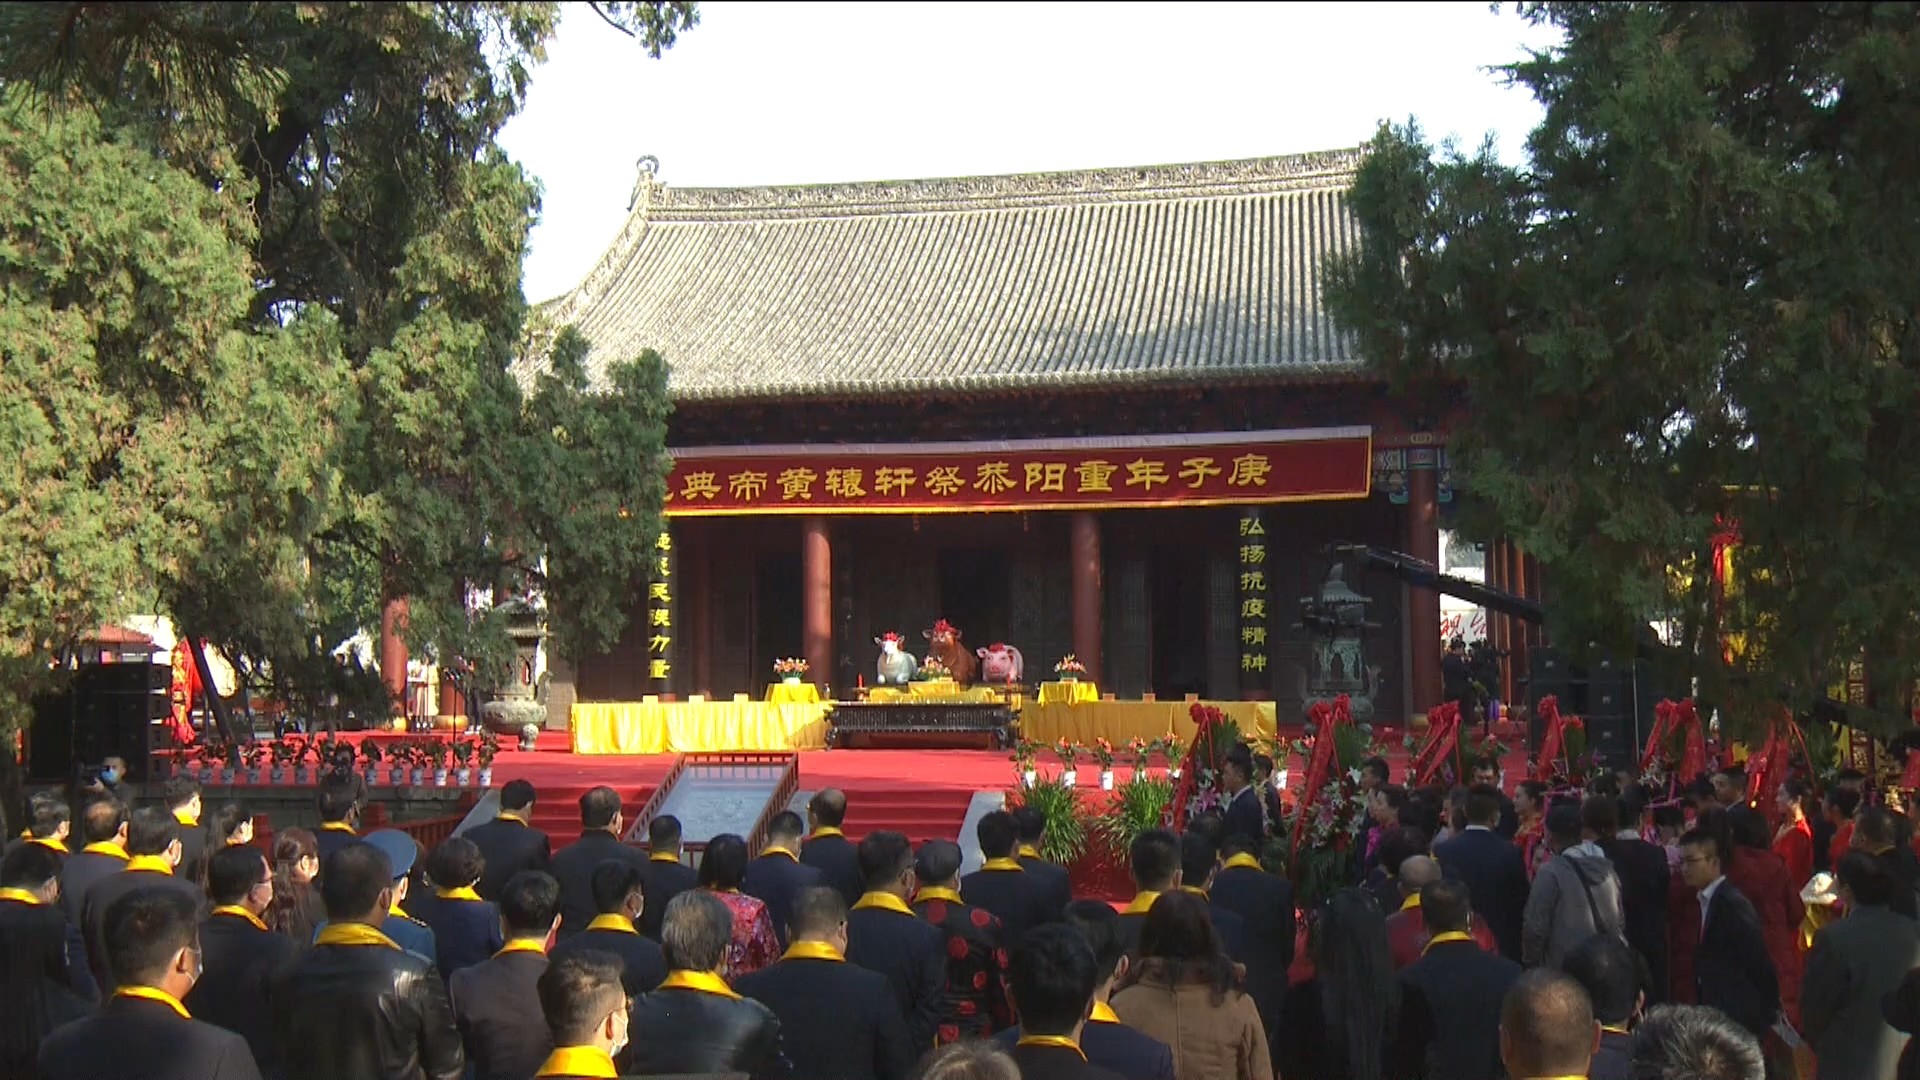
x: 1423, y: 575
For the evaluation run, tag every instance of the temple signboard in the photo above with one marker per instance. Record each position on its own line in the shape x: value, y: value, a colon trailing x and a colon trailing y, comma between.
x: 1040, y: 474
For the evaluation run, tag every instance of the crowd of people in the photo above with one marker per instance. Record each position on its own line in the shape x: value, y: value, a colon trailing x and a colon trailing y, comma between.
x: 1535, y: 936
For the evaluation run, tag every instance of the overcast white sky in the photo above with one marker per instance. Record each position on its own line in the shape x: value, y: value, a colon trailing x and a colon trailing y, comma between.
x: 796, y: 93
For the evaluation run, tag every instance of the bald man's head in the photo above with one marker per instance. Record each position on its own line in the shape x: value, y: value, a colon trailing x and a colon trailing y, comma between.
x: 1547, y: 1026
x: 1416, y: 873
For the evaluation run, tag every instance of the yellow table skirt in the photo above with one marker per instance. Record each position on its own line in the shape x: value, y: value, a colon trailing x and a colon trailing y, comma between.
x: 786, y: 693
x: 1079, y: 692
x: 1119, y: 721
x: 635, y: 727
x: 943, y: 691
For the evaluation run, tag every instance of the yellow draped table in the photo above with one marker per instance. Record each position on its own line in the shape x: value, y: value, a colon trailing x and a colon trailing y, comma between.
x: 1068, y: 692
x: 682, y: 727
x: 934, y: 691
x: 1119, y: 721
x: 792, y: 693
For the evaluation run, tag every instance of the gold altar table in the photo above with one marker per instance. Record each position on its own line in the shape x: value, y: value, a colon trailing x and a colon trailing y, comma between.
x: 683, y: 727
x: 792, y: 693
x: 1065, y: 692
x: 1120, y: 721
x: 934, y: 691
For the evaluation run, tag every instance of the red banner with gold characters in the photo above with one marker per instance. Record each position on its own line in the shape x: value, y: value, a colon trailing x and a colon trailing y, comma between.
x: 1039, y: 474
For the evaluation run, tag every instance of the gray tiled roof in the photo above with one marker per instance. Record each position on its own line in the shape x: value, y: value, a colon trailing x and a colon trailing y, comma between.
x: 1175, y: 274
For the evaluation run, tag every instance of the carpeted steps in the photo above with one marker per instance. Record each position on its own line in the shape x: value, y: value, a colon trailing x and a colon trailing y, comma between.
x: 557, y: 811
x: 921, y: 813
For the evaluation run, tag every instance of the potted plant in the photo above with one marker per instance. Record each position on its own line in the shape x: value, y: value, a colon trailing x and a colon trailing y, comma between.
x: 488, y: 749
x: 1069, y: 669
x: 282, y: 754
x: 462, y: 762
x: 1024, y: 751
x: 437, y: 755
x: 1103, y: 755
x: 790, y: 670
x: 1069, y: 753
x: 370, y: 755
x: 252, y: 756
x: 398, y: 757
x: 203, y: 764
x: 1176, y: 751
x: 299, y: 749
x: 1138, y: 751
x: 222, y: 755
x: 1058, y: 804
x: 418, y: 757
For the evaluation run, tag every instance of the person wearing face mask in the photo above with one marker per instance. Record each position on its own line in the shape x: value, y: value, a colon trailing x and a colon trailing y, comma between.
x: 619, y: 892
x: 586, y: 1011
x: 153, y: 849
x: 144, y: 1031
x: 356, y: 1004
x: 239, y: 952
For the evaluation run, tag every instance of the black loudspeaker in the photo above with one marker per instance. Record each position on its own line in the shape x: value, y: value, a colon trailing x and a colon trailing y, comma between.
x: 1613, y: 698
x: 107, y: 710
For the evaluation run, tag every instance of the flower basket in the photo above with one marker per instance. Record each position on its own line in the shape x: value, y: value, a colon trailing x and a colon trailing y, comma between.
x: 397, y: 773
x: 932, y: 670
x: 790, y: 669
x: 1069, y: 669
x: 463, y: 762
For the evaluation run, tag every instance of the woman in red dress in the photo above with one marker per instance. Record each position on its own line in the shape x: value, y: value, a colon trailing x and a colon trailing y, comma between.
x: 1529, y: 805
x: 1763, y: 878
x: 1793, y: 841
x: 722, y: 869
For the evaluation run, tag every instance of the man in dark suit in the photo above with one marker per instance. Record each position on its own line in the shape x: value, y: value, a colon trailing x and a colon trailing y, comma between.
x: 617, y: 892
x: 466, y: 929
x: 1245, y: 815
x: 1001, y: 886
x: 509, y: 843
x: 1264, y: 903
x: 1451, y: 996
x: 1106, y: 1041
x: 586, y: 1010
x: 339, y: 806
x: 1731, y: 969
x: 1055, y: 883
x: 1154, y: 858
x: 694, y: 1023
x: 827, y: 848
x: 49, y: 821
x: 43, y: 984
x: 505, y: 1040
x: 1199, y: 861
x: 1492, y: 868
x: 976, y: 1003
x: 1856, y: 963
x: 1874, y: 833
x: 777, y: 876
x: 665, y: 875
x: 143, y: 1032
x: 1054, y: 979
x: 836, y: 1019
x: 574, y: 864
x: 103, y: 828
x: 153, y: 844
x: 238, y: 953
x: 884, y: 935
x: 1547, y: 1027
x: 1487, y: 772
x: 182, y: 795
x: 1645, y: 882
x: 1610, y: 972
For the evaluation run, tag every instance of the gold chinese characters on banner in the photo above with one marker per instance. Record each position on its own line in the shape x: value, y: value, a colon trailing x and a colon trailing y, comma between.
x: 660, y: 615
x: 1254, y: 599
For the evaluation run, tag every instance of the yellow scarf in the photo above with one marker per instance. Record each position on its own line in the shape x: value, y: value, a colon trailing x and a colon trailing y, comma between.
x: 107, y: 848
x: 1195, y: 890
x: 394, y: 911
x: 53, y: 842
x: 613, y: 921
x: 353, y: 934
x: 153, y: 864
x: 21, y: 896
x: 338, y: 826
x: 663, y: 858
x: 1103, y: 1014
x: 773, y: 850
x: 1451, y: 935
x: 825, y: 830
x: 186, y: 819
x: 1052, y: 1040
x: 1243, y: 860
x: 886, y: 901
x: 1142, y: 903
x: 154, y: 993
x: 532, y: 945
x: 935, y: 892
x: 1028, y: 851
x: 239, y: 912
x: 464, y: 892
x: 1002, y: 864
x: 705, y: 982
x: 509, y: 815
x: 1615, y: 1030
x: 1410, y: 902
x: 812, y: 950
x: 579, y: 1061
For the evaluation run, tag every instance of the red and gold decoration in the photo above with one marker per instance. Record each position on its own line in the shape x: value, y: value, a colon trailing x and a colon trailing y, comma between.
x: 1441, y: 752
x: 1563, y: 744
x: 1768, y: 768
x: 1037, y: 474
x: 1677, y: 745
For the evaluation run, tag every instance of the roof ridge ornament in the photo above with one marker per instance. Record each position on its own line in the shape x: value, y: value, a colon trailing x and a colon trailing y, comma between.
x: 644, y: 183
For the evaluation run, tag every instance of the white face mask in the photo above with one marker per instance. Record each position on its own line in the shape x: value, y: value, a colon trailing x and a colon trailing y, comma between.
x: 620, y: 1040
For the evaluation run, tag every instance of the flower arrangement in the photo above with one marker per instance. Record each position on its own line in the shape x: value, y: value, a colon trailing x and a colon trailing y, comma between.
x: 1103, y: 754
x: 932, y: 670
x: 1176, y: 750
x: 1069, y: 668
x: 790, y: 667
x: 1138, y: 751
x: 1025, y: 751
x: 1068, y: 752
x: 370, y: 753
x: 488, y: 749
x: 1331, y: 816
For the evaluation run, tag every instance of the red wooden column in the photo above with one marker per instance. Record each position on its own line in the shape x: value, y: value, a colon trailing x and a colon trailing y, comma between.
x: 816, y: 597
x: 1423, y: 605
x: 452, y: 702
x: 1519, y: 582
x: 1085, y: 559
x: 393, y: 651
x: 1499, y: 626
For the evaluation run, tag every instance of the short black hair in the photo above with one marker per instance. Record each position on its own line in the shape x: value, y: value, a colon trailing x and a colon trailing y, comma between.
x: 151, y: 830
x: 1099, y: 924
x: 1865, y: 878
x: 1053, y: 976
x: 1154, y: 857
x: 1875, y: 826
x: 46, y: 812
x: 337, y: 800
x: 144, y: 929
x: 724, y: 864
x: 829, y: 807
x: 1446, y: 905
x: 1563, y: 822
x: 29, y: 866
x: 1845, y: 800
x: 883, y: 857
x: 1239, y: 844
x: 1397, y: 845
x: 577, y: 991
x: 613, y: 881
x: 517, y: 795
x: 997, y: 834
x: 1263, y: 763
x: 352, y: 879
x: 663, y: 833
x: 817, y: 909
x: 1030, y: 823
x: 233, y: 871
x: 1483, y: 805
x: 1610, y: 973
x: 1377, y: 766
x: 455, y: 862
x: 598, y: 807
x: 1198, y: 857
x: 1698, y: 837
x: 1240, y: 758
x: 1549, y: 1025
x: 786, y: 825
x: 1696, y: 1042
x: 1600, y: 815
x: 529, y: 901
x: 938, y: 861
x: 101, y: 818
x: 180, y: 790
